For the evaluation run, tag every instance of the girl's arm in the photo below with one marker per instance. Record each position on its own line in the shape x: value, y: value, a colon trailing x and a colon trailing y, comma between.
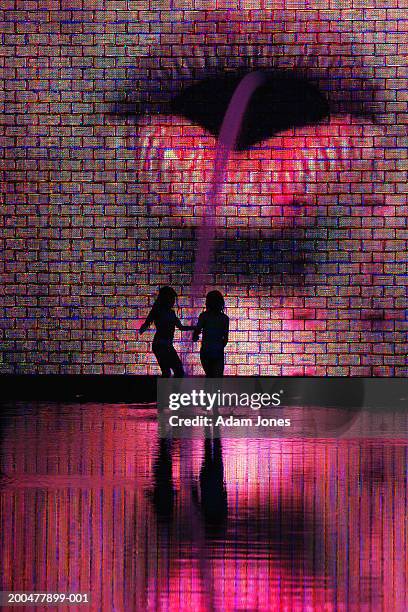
x: 198, y: 328
x: 179, y: 325
x: 147, y: 323
x: 225, y: 338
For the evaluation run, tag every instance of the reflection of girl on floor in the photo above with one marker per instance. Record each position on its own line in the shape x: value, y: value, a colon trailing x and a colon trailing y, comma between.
x: 165, y: 320
x: 214, y: 324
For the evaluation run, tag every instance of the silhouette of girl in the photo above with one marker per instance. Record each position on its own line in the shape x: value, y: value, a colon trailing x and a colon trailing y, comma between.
x: 214, y: 324
x: 165, y: 320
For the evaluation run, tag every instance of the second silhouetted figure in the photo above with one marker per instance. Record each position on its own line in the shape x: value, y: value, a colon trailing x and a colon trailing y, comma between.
x: 214, y: 325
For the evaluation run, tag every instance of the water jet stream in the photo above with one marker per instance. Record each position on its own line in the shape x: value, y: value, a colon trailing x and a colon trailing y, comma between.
x: 229, y: 133
x: 323, y: 159
x: 227, y: 140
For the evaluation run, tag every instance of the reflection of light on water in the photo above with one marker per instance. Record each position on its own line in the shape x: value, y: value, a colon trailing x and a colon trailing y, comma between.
x: 310, y: 523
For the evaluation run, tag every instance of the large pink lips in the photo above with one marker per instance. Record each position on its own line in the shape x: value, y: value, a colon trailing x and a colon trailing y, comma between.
x: 266, y: 183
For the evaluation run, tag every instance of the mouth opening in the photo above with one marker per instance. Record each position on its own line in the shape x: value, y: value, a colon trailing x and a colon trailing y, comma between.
x: 284, y: 101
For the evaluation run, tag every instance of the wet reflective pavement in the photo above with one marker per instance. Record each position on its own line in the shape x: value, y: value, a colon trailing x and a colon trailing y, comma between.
x: 93, y: 501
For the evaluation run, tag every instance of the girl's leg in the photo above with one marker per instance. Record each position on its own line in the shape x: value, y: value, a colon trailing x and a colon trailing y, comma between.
x: 213, y: 364
x: 175, y: 363
x: 218, y: 367
x: 161, y: 354
x: 206, y: 363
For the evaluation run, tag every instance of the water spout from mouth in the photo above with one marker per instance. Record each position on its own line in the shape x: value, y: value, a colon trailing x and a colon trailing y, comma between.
x: 227, y: 140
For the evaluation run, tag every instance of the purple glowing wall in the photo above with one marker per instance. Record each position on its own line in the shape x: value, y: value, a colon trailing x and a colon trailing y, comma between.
x: 105, y: 187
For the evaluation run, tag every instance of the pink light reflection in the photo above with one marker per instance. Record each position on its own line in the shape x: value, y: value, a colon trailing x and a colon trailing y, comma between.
x: 318, y: 525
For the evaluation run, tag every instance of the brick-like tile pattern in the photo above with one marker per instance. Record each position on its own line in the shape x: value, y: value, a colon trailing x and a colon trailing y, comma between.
x: 104, y: 189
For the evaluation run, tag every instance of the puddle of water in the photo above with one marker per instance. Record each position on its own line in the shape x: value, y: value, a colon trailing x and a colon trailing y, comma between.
x: 92, y: 501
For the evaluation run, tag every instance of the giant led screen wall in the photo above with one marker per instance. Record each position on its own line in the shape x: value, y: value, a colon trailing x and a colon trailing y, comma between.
x: 112, y: 115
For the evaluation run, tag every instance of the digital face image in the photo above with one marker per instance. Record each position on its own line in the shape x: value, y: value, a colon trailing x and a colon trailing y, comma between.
x: 233, y: 173
x: 113, y: 114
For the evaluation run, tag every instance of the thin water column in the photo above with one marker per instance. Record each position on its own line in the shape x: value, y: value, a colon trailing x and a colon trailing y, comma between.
x: 227, y: 140
x: 226, y: 143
